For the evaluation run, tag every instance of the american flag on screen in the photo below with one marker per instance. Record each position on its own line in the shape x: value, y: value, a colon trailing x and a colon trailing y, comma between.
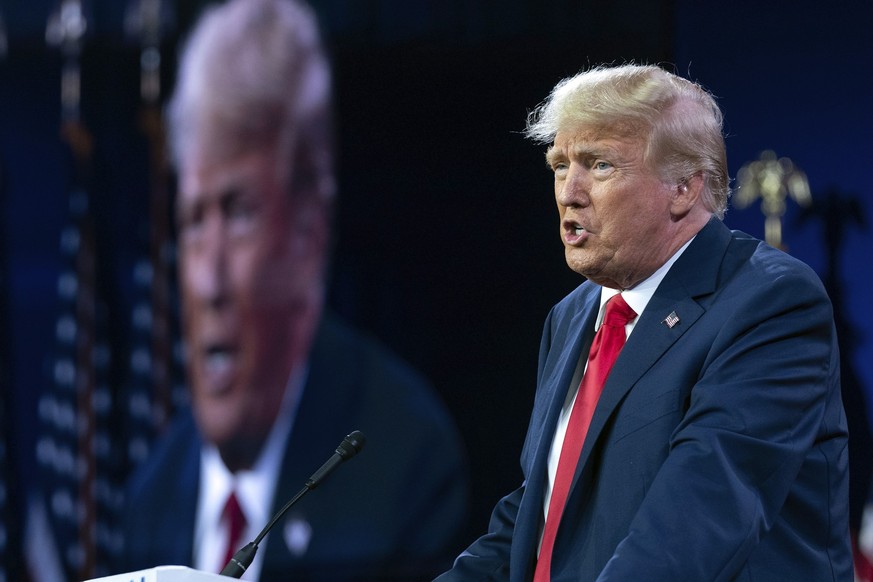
x: 8, y: 534
x: 115, y: 375
x: 78, y: 447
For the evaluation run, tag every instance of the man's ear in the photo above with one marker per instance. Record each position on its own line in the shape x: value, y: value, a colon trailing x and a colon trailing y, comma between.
x: 312, y: 212
x: 311, y: 228
x: 686, y: 195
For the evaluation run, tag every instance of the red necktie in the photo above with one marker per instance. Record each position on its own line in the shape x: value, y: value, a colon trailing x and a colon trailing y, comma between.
x: 236, y: 523
x: 607, y: 344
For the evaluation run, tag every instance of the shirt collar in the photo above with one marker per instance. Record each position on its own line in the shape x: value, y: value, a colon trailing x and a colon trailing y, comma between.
x: 254, y: 487
x: 639, y: 296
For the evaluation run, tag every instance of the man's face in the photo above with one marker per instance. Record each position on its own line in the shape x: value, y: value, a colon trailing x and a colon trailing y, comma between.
x: 250, y: 278
x: 614, y: 210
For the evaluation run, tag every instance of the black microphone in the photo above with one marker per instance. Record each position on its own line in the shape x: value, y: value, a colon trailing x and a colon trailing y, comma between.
x: 347, y: 449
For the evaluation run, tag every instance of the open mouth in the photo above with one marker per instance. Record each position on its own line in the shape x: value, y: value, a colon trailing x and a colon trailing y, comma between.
x: 573, y: 227
x: 218, y: 358
x: 575, y: 233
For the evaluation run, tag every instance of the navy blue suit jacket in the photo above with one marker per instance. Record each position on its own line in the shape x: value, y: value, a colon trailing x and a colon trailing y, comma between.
x: 393, y: 511
x: 718, y: 449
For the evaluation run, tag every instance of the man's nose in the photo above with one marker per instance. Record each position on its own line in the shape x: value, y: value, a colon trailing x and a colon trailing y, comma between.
x: 210, y: 268
x: 575, y: 188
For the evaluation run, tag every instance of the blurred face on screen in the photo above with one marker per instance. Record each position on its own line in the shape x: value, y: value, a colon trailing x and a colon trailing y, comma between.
x: 250, y: 279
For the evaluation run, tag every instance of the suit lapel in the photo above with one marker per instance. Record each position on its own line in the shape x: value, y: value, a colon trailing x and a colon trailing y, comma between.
x: 175, y: 529
x: 576, y: 339
x: 567, y: 342
x: 650, y: 340
x: 692, y: 276
x: 322, y: 417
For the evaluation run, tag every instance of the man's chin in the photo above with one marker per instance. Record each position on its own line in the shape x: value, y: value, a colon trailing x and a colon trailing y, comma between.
x: 230, y: 421
x: 578, y: 261
x: 238, y: 450
x: 220, y: 421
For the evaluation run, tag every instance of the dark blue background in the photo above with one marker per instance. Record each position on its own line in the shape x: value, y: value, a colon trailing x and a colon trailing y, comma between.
x: 447, y: 244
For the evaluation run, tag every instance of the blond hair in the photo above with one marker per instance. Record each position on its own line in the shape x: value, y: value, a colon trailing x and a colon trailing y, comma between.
x: 254, y: 76
x: 680, y: 121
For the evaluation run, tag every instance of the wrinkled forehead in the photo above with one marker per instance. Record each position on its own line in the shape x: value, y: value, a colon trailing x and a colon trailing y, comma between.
x: 593, y: 129
x: 587, y: 140
x: 216, y: 138
x: 206, y: 173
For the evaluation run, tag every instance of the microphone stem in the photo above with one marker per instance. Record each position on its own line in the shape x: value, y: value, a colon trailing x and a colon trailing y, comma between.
x: 281, y: 513
x: 347, y: 449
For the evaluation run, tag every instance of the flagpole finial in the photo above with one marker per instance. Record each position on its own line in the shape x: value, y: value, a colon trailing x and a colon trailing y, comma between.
x: 66, y: 29
x: 148, y: 21
x: 773, y: 180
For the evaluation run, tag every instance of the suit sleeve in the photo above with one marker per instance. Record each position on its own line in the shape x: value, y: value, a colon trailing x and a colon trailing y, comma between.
x: 488, y: 557
x: 766, y: 396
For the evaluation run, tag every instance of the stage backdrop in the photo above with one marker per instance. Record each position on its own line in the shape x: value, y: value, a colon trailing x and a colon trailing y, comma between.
x: 446, y: 233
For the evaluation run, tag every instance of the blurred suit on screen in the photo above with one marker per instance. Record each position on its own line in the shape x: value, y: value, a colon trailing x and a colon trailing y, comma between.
x: 276, y: 381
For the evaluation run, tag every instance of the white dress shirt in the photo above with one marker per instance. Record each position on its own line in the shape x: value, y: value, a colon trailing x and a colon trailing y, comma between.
x: 254, y: 489
x: 637, y: 298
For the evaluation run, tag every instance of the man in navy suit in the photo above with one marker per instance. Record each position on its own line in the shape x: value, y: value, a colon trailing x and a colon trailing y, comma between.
x: 718, y: 447
x: 276, y: 382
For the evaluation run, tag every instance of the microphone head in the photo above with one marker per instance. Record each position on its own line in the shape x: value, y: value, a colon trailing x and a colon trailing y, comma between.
x: 351, y: 445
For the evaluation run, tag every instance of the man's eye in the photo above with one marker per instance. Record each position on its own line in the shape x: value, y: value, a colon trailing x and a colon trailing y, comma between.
x: 240, y: 209
x: 242, y: 216
x: 602, y: 166
x: 559, y: 167
x: 189, y: 222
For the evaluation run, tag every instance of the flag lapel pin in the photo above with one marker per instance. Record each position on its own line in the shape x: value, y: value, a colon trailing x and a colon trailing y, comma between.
x: 671, y: 320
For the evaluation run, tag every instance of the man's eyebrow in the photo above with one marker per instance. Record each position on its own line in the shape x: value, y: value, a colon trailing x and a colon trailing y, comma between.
x: 593, y: 150
x: 552, y: 155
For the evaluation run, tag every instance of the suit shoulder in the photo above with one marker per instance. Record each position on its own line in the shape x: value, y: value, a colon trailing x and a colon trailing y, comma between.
x: 382, y: 381
x: 176, y: 448
x: 759, y: 262
x: 572, y: 302
x: 366, y: 354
